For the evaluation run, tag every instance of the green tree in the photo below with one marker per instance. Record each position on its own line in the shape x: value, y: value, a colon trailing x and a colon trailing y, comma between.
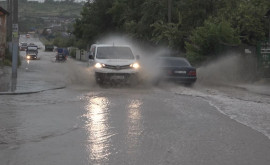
x: 168, y: 33
x: 49, y: 1
x: 210, y: 40
x: 95, y: 21
x: 119, y: 12
x: 202, y: 28
x: 247, y: 17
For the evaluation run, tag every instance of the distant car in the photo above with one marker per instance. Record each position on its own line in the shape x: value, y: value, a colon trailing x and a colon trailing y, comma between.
x: 61, y: 55
x: 27, y: 35
x: 31, y: 55
x: 23, y: 46
x: 49, y: 47
x: 63, y: 51
x: 31, y: 52
x: 175, y: 69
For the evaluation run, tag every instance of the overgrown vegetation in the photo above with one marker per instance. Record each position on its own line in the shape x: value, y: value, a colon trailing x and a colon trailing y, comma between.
x: 72, y: 52
x: 210, y: 40
x: 202, y: 29
x: 8, y: 59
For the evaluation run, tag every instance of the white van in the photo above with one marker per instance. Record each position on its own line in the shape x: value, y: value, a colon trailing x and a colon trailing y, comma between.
x: 114, y: 63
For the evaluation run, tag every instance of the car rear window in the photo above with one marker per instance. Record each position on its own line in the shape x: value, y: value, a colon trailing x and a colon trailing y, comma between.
x: 175, y: 62
x: 114, y: 53
x: 32, y: 48
x: 60, y: 50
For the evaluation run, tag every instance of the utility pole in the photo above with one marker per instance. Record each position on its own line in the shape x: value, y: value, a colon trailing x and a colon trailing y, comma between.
x: 169, y: 11
x: 267, y: 15
x: 9, y: 20
x: 269, y: 29
x: 15, y: 38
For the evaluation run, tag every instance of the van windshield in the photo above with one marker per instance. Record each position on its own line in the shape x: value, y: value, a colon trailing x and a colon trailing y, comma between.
x: 114, y: 53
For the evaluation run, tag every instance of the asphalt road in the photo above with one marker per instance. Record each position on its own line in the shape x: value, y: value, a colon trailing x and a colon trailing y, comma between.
x: 170, y: 124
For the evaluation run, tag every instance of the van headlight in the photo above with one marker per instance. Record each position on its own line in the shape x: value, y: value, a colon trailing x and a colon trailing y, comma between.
x: 28, y: 57
x: 135, y: 65
x: 99, y: 65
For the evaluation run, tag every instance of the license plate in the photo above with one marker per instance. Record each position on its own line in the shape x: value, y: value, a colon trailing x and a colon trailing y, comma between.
x: 118, y: 77
x: 180, y: 72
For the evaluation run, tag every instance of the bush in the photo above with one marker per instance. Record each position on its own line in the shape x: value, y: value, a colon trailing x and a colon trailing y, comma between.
x: 209, y: 40
x: 7, y: 63
x: 72, y: 52
x: 8, y: 59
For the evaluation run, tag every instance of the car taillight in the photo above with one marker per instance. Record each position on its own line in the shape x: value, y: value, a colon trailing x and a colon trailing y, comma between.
x: 192, y: 73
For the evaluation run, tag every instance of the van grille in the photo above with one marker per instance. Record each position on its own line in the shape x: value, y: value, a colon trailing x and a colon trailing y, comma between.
x: 117, y: 67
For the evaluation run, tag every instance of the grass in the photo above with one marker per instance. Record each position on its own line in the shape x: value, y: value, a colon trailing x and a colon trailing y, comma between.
x: 8, y: 59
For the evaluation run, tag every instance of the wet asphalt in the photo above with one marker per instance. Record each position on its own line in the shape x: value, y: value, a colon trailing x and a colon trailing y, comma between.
x: 85, y: 124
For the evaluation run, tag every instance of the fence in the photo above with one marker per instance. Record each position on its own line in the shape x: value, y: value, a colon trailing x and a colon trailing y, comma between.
x: 263, y: 52
x: 81, y: 55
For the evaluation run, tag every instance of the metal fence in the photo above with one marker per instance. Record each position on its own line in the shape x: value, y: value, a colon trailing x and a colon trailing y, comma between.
x: 81, y: 55
x: 263, y: 53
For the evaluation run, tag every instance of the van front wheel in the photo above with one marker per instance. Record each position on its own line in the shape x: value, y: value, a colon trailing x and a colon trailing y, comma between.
x: 99, y: 80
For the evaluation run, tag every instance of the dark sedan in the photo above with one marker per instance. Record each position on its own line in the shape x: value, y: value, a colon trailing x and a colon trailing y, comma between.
x: 175, y: 69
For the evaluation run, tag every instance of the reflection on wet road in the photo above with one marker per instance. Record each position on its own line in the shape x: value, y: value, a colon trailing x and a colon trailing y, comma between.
x: 98, y: 128
x: 135, y: 126
x: 102, y: 128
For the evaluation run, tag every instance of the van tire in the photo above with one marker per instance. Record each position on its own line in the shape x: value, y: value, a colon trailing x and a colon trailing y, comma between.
x: 99, y: 81
x: 134, y: 80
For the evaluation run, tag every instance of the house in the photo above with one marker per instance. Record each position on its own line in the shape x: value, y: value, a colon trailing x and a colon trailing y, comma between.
x: 3, y: 32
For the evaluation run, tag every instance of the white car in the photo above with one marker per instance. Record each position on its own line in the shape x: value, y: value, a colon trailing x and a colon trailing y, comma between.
x: 114, y: 63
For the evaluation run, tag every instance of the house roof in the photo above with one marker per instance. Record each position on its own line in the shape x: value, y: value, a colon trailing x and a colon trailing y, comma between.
x: 4, y: 11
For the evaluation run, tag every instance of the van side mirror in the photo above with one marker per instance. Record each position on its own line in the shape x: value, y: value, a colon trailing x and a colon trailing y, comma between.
x: 91, y: 57
x: 137, y: 57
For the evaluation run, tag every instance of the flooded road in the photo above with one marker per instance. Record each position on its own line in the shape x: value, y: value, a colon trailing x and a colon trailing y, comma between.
x: 86, y: 124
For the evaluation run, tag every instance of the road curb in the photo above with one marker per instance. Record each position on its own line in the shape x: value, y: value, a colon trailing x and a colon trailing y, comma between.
x: 249, y: 90
x: 31, y: 92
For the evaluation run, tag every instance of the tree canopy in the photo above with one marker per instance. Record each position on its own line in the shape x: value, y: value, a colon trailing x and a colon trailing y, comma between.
x: 200, y: 28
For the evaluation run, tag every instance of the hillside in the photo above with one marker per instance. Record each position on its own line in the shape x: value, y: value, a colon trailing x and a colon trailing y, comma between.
x: 34, y: 15
x: 53, y: 9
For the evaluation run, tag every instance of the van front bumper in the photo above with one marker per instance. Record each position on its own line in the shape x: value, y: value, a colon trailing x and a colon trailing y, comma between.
x: 106, y: 77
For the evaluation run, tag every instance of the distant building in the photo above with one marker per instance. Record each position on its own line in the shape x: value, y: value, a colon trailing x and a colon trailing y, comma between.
x: 3, y: 32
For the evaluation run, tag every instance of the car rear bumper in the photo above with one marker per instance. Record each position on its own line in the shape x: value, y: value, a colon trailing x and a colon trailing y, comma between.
x: 182, y: 79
